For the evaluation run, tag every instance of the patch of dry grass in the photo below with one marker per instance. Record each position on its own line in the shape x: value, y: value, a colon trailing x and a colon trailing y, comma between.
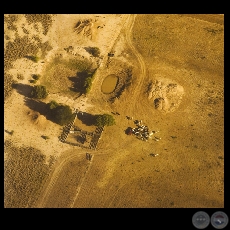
x: 180, y: 41
x: 10, y: 20
x: 45, y: 19
x: 25, y: 172
x: 59, y: 72
x: 8, y: 81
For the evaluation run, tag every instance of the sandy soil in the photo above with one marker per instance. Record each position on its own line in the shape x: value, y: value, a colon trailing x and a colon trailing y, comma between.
x: 188, y: 172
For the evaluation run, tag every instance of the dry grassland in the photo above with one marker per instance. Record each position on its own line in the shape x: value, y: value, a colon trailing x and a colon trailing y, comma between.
x: 25, y: 171
x: 67, y: 184
x: 170, y: 75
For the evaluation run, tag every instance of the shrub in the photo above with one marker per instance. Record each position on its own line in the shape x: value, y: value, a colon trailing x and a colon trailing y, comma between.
x: 36, y: 76
x: 35, y: 58
x: 20, y: 76
x: 39, y: 92
x: 105, y: 120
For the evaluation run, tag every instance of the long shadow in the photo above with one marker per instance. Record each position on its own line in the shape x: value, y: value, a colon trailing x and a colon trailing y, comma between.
x: 9, y: 132
x: 86, y: 118
x: 92, y: 50
x: 79, y: 81
x: 23, y: 89
x: 39, y: 106
x: 30, y: 57
x: 89, y: 49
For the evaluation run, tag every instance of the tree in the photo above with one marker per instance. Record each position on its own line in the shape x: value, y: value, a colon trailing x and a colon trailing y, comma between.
x: 105, y: 120
x: 62, y: 114
x: 39, y: 92
x: 53, y: 104
x: 36, y: 76
x: 88, y: 84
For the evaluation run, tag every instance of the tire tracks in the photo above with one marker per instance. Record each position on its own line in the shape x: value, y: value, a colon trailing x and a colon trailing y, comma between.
x: 52, y: 180
x: 139, y: 81
x: 81, y: 182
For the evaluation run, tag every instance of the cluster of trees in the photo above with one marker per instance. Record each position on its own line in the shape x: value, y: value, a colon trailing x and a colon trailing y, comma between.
x: 61, y: 114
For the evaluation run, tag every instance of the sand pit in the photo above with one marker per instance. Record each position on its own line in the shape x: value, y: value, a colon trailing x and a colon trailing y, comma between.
x: 165, y: 94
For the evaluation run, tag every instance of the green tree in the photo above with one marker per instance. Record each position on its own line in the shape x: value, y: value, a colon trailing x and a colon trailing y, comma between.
x: 105, y: 120
x: 39, y: 92
x: 88, y: 84
x: 62, y: 114
x: 53, y: 104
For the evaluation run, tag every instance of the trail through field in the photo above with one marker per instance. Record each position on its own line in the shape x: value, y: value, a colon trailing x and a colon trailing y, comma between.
x: 140, y: 79
x: 53, y: 178
x: 139, y: 82
x: 82, y: 181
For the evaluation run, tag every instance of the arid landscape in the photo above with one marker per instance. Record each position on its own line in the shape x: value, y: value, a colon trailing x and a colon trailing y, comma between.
x: 163, y: 73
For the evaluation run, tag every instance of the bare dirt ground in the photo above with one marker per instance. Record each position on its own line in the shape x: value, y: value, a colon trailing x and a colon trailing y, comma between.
x: 172, y: 70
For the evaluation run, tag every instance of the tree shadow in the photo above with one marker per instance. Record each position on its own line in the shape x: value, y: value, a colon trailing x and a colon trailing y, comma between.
x: 23, y: 89
x: 86, y: 118
x: 79, y: 81
x: 29, y: 57
x: 92, y: 50
x: 9, y: 132
x: 88, y: 49
x: 39, y: 106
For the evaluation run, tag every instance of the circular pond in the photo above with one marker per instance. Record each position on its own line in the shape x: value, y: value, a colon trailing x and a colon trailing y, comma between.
x: 109, y: 84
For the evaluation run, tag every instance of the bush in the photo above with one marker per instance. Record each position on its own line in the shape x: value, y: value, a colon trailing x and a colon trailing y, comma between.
x: 39, y: 92
x: 36, y: 76
x: 105, y: 120
x: 35, y: 58
x: 20, y: 77
x: 62, y: 114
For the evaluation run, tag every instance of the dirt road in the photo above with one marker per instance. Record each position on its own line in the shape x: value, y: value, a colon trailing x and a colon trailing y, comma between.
x: 140, y: 79
x: 53, y: 178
